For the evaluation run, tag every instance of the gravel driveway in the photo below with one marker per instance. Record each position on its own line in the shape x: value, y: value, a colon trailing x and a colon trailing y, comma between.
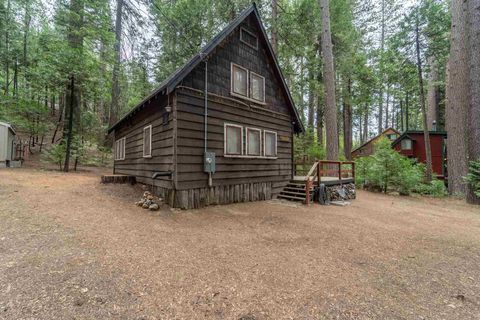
x: 71, y: 248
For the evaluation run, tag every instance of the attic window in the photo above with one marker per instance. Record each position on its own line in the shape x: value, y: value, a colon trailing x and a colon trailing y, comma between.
x: 406, y: 144
x: 249, y: 38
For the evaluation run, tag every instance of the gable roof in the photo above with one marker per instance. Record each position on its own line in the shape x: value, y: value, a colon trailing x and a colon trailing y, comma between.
x: 9, y: 126
x: 376, y: 137
x: 406, y: 134
x: 169, y: 84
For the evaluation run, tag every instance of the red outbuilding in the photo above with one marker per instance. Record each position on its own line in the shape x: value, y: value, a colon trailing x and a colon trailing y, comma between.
x: 412, y: 144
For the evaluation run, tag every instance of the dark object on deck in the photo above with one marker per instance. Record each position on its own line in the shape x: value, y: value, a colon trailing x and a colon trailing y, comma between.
x: 223, y: 124
x: 322, y: 195
x: 412, y: 144
x: 118, y: 178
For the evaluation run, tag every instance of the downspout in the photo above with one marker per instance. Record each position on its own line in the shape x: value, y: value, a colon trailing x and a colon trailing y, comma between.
x: 210, y: 180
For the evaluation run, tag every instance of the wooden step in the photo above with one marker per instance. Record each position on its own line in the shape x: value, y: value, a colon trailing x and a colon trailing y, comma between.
x: 295, y: 193
x: 291, y: 198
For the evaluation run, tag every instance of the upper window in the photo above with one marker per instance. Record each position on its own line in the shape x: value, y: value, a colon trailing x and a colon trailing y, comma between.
x: 120, y: 149
x: 239, y: 80
x: 247, y: 83
x: 253, y: 142
x: 249, y: 38
x: 147, y: 141
x: 270, y: 143
x: 406, y: 144
x: 392, y: 136
x: 257, y: 87
x: 233, y: 139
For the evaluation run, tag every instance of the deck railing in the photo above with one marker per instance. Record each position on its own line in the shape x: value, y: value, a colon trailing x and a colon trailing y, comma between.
x: 333, y: 169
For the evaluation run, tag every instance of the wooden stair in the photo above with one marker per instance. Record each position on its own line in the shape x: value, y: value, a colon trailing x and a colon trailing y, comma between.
x: 295, y: 191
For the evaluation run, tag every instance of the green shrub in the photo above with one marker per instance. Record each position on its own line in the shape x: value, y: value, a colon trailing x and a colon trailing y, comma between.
x: 55, y: 154
x: 436, y: 188
x: 387, y: 170
x: 473, y: 177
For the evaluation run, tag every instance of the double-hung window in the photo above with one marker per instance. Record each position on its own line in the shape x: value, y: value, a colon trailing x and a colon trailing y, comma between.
x: 406, y: 144
x: 254, y: 147
x: 233, y: 139
x: 120, y: 149
x: 270, y: 143
x: 247, y: 84
x: 239, y: 80
x: 147, y: 141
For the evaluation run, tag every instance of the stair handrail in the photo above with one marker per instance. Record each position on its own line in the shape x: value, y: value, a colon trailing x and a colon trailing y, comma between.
x: 309, y: 181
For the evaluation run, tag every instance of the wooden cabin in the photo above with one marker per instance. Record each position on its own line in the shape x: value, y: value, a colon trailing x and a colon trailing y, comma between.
x: 219, y: 129
x: 368, y: 148
x: 411, y: 144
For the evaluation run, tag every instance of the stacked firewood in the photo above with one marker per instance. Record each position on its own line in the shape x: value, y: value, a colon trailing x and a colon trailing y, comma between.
x: 149, y: 201
x: 341, y: 192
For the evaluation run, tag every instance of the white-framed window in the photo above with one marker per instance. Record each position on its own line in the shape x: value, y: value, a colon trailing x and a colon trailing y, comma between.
x: 247, y: 84
x: 270, y: 143
x: 254, y: 145
x: 239, y: 80
x: 249, y: 38
x: 406, y: 144
x: 147, y: 141
x: 120, y: 149
x: 257, y: 87
x: 233, y: 139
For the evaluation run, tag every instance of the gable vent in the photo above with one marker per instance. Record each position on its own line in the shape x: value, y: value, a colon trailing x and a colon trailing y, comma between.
x: 249, y: 38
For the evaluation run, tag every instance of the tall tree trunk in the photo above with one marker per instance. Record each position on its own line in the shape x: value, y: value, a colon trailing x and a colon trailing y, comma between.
x: 386, y: 107
x: 456, y: 109
x: 401, y: 116
x: 474, y: 108
x: 7, y: 48
x: 70, y: 125
x: 407, y: 111
x: 114, y: 109
x: 426, y: 133
x: 274, y: 26
x: 347, y: 121
x: 433, y: 94
x: 329, y: 81
x: 311, y: 96
x: 382, y: 50
x: 365, y: 124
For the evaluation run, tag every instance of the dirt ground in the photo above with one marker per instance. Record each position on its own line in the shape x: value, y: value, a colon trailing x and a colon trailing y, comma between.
x: 71, y: 248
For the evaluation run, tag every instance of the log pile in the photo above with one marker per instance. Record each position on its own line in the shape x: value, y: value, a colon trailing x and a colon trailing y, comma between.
x: 341, y: 192
x: 149, y: 201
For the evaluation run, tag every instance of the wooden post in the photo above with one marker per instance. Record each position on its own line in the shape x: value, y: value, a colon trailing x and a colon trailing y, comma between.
x: 340, y: 172
x: 319, y: 168
x: 307, y: 191
x: 353, y: 171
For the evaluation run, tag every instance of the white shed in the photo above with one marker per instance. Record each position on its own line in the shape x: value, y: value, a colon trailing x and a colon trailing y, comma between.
x: 7, y: 144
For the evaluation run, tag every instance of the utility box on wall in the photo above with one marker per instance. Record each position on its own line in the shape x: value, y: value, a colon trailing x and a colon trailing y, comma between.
x: 209, y: 162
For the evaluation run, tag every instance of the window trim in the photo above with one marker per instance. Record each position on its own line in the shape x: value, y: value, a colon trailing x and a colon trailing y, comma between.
x: 232, y: 79
x: 411, y: 144
x: 250, y: 33
x: 143, y: 142
x: 250, y: 88
x: 265, y: 145
x: 247, y: 129
x: 118, y: 143
x: 225, y: 125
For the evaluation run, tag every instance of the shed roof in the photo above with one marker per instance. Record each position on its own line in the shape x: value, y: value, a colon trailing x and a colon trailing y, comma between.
x: 9, y: 126
x: 169, y: 84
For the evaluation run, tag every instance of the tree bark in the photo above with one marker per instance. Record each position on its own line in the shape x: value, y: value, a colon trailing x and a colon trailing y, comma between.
x: 347, y: 122
x: 329, y: 81
x: 474, y: 107
x: 457, y: 100
x: 274, y: 26
x: 70, y: 125
x: 433, y: 95
x: 115, y: 108
x: 365, y: 124
x: 426, y: 133
x: 382, y: 49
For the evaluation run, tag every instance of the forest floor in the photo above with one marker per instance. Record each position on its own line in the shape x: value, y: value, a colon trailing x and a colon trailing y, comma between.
x: 71, y: 248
